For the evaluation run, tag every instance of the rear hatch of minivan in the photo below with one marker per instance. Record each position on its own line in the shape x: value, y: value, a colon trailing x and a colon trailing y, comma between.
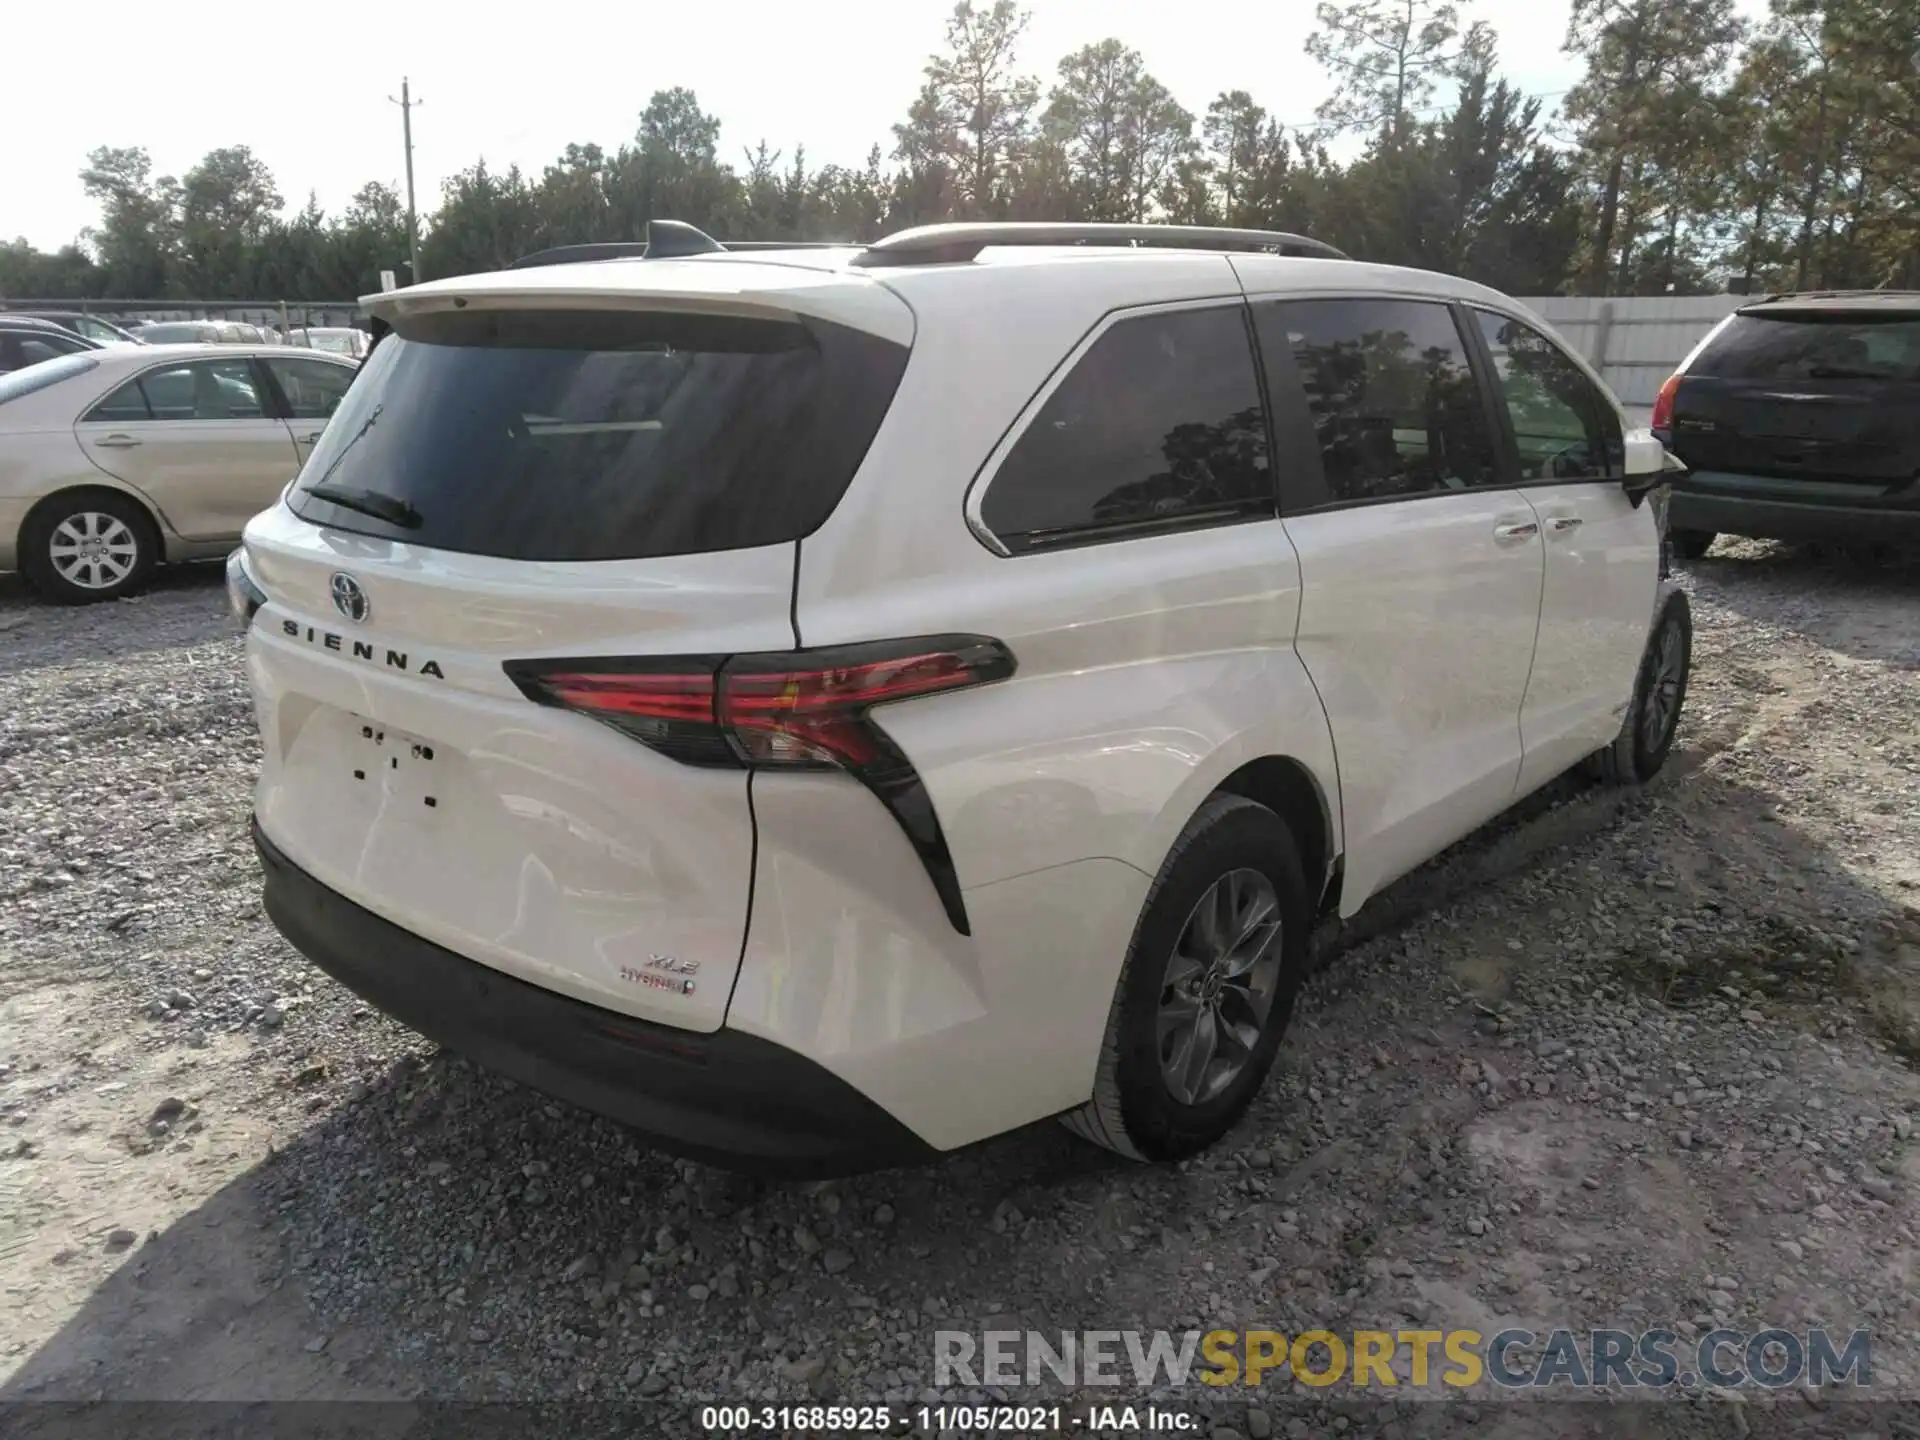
x: 1820, y: 397
x: 613, y: 461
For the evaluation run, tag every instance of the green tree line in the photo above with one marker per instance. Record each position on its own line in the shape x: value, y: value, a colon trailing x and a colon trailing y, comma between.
x: 1696, y: 148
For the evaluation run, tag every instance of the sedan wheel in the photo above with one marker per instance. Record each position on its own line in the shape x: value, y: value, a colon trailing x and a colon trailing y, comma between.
x: 94, y: 551
x: 91, y: 546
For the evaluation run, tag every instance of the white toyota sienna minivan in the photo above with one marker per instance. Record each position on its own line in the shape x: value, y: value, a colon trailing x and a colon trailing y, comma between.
x: 825, y: 706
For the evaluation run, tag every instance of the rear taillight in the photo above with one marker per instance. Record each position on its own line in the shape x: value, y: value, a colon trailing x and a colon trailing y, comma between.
x: 244, y: 597
x: 792, y: 709
x: 1663, y: 402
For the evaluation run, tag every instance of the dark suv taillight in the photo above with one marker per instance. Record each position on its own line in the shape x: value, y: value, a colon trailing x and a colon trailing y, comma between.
x: 785, y: 710
x: 1663, y: 407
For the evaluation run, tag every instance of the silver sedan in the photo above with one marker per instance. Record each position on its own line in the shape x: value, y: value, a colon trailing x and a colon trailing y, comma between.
x: 112, y: 461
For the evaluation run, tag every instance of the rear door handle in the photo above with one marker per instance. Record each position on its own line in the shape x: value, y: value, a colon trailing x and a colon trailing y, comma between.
x: 116, y: 442
x: 313, y: 439
x: 1562, y: 524
x: 1508, y: 534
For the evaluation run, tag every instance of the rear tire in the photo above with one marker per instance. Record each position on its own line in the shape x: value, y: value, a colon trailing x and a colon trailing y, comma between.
x: 1163, y: 1092
x: 87, y: 546
x: 1659, y: 693
x: 1692, y: 544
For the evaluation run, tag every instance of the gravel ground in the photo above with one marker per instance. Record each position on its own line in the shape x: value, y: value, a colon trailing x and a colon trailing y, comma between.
x: 1618, y: 1060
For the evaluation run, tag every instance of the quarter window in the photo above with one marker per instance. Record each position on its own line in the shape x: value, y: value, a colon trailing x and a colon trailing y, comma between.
x: 313, y: 388
x: 1158, y: 426
x: 1563, y: 426
x: 1395, y: 408
x: 122, y: 407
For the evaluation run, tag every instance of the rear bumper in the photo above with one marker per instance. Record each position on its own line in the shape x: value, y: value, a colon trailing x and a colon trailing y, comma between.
x: 726, y: 1098
x: 1768, y: 517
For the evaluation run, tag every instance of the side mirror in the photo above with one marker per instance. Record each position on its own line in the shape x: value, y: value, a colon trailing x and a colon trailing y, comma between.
x: 1638, y: 487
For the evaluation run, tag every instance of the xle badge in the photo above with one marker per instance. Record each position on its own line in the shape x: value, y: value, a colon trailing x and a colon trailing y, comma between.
x: 663, y: 972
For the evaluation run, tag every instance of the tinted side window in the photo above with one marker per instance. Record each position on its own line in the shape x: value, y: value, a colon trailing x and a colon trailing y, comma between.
x: 35, y: 348
x: 207, y: 390
x: 1159, y: 425
x: 1394, y: 404
x: 313, y: 388
x: 1563, y: 427
x: 123, y: 406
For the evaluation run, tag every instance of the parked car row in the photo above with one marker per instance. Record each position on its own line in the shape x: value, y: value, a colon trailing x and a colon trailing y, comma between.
x: 26, y: 340
x: 88, y: 327
x: 344, y: 340
x: 114, y: 459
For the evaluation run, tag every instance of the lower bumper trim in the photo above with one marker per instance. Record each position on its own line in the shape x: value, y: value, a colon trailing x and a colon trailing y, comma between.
x: 725, y: 1098
x: 1789, y: 520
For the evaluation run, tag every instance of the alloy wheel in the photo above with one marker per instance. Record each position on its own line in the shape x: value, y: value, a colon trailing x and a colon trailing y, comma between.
x: 1219, y: 986
x: 1660, y: 710
x: 93, y: 550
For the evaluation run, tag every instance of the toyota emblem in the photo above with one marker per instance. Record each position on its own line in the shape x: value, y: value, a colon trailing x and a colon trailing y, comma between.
x: 348, y: 598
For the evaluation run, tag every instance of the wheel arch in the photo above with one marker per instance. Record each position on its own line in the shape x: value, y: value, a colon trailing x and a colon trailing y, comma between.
x: 1291, y: 790
x: 102, y: 486
x: 1292, y: 770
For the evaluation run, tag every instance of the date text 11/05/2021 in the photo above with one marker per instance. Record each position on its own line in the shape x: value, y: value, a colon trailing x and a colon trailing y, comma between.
x: 945, y: 1419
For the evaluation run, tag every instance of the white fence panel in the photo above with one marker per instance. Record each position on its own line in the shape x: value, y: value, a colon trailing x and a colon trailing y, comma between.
x: 1634, y: 341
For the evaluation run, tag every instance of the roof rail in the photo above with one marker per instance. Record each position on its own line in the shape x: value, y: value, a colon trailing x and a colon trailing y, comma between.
x: 666, y: 240
x: 949, y: 244
x: 1832, y: 295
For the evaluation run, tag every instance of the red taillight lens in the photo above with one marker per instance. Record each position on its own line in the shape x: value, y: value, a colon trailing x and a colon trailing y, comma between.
x: 1663, y: 403
x: 795, y: 709
x: 646, y: 697
x: 668, y: 705
x: 817, y: 715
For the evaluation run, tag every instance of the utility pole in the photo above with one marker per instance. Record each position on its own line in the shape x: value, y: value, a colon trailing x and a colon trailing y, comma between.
x: 406, y: 102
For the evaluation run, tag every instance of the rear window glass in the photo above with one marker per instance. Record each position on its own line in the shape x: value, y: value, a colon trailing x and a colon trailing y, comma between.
x: 1813, y: 347
x: 47, y: 372
x: 603, y: 436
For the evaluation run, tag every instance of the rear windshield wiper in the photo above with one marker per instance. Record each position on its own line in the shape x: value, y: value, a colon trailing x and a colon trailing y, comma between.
x: 390, y: 508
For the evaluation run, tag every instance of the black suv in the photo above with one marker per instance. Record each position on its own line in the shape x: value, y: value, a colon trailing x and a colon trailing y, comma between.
x: 1799, y: 418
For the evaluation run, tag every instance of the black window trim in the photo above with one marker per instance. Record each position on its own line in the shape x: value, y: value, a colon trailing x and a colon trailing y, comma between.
x: 1501, y: 417
x: 1308, y: 488
x: 1112, y: 533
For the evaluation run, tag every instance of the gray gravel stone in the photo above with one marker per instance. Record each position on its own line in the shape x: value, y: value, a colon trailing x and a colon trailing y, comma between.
x: 1679, y: 955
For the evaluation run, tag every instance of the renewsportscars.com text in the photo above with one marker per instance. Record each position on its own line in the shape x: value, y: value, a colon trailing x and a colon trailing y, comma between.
x: 1414, y: 1359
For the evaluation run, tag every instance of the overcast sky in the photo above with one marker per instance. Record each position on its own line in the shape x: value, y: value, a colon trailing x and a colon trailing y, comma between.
x: 306, y: 85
